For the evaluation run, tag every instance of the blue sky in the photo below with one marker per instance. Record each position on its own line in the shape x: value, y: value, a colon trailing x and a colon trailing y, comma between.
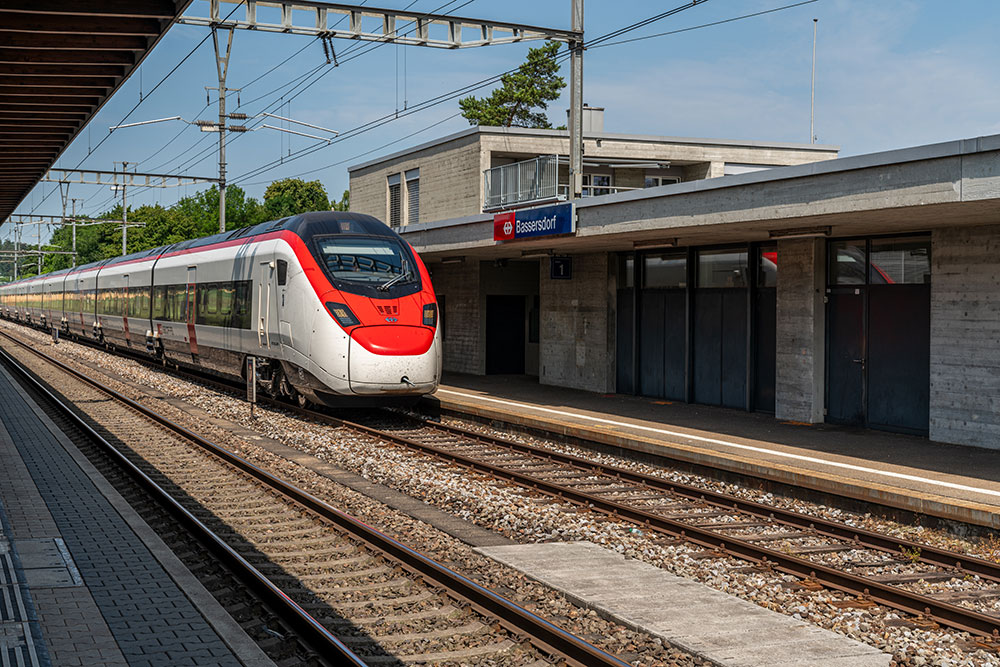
x: 890, y: 74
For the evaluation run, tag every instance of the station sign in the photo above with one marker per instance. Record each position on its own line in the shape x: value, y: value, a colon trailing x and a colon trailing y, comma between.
x: 533, y: 222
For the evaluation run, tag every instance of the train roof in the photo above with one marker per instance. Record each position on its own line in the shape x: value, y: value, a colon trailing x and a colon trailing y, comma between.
x: 304, y: 225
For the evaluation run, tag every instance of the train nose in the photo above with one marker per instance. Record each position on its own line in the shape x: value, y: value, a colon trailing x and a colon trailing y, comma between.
x: 392, y: 359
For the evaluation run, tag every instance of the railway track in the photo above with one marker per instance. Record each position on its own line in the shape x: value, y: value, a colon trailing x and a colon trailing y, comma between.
x: 820, y: 553
x: 354, y: 595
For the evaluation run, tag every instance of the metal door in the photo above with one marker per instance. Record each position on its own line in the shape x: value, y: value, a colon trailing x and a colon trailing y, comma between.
x: 878, y: 333
x: 898, y: 392
x: 846, y: 363
x: 765, y: 316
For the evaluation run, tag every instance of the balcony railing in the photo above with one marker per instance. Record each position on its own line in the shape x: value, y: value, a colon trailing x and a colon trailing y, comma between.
x: 520, y: 183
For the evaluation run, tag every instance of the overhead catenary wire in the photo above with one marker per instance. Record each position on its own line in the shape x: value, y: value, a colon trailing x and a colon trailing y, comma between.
x: 703, y: 25
x: 599, y: 42
x: 191, y: 162
x: 448, y: 96
x: 352, y: 54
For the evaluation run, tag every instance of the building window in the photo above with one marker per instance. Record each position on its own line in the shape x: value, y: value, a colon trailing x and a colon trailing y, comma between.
x: 656, y: 181
x: 722, y: 268
x: 667, y: 269
x: 412, y: 196
x: 595, y: 185
x: 395, y: 202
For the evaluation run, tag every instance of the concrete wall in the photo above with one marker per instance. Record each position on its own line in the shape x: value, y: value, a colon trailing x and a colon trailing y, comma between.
x: 965, y: 336
x: 800, y: 360
x: 577, y: 325
x: 462, y: 317
x: 450, y: 181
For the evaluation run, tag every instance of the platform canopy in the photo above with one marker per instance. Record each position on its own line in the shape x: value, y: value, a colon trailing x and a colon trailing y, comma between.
x: 60, y: 61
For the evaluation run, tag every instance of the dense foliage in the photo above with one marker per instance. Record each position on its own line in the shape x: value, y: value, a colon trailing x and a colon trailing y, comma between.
x: 523, y: 96
x: 191, y: 217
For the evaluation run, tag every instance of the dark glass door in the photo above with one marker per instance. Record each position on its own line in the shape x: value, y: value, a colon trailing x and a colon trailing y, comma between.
x: 504, y: 335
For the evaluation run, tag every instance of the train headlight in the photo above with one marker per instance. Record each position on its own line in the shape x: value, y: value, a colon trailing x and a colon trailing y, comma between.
x: 430, y: 314
x: 342, y: 314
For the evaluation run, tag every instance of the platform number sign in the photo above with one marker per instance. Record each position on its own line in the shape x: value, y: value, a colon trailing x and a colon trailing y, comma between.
x: 561, y: 268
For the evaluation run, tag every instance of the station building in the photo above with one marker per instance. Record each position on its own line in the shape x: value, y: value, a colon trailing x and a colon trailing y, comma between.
x: 861, y: 290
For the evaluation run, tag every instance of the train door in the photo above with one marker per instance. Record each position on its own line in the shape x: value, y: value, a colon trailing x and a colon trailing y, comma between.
x: 266, y: 307
x: 282, y: 306
x: 125, y: 310
x: 190, y: 311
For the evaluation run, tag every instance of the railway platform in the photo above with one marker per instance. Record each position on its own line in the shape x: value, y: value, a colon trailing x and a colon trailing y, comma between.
x: 906, y: 473
x: 83, y: 579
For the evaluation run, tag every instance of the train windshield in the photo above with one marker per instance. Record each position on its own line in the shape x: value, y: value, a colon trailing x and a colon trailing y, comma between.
x: 374, y: 262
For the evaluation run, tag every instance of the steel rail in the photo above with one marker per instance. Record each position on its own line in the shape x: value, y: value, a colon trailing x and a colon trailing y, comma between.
x: 897, y: 598
x: 927, y: 553
x: 544, y: 635
x: 313, y: 633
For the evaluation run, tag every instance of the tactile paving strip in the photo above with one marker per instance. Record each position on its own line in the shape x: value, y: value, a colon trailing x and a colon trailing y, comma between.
x: 17, y: 647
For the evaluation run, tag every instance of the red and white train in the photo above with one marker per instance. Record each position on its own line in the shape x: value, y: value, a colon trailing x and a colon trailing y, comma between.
x: 332, y: 305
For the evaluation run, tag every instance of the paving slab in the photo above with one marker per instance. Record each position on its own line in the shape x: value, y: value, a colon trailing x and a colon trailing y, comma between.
x: 83, y: 579
x: 716, y: 626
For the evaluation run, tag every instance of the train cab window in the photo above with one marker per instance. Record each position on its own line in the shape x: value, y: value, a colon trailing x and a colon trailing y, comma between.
x: 378, y: 262
x: 282, y: 272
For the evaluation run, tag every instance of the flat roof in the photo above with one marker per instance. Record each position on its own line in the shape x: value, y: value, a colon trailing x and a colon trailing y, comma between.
x: 635, y: 138
x: 64, y: 60
x: 977, y: 184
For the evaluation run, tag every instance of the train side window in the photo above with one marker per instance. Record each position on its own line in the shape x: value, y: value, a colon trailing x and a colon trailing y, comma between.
x: 213, y: 299
x: 159, y: 297
x: 282, y: 272
x: 241, y: 300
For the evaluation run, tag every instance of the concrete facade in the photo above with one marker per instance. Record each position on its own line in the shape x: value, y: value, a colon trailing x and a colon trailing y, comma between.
x: 965, y: 336
x: 949, y: 191
x: 461, y: 319
x: 800, y: 354
x: 578, y: 324
x: 451, y: 168
x: 444, y: 186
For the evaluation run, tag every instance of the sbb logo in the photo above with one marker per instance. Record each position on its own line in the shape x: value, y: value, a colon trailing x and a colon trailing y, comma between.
x: 503, y: 226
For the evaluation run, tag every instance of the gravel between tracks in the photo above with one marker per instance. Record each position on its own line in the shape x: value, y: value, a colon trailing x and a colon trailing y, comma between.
x: 633, y: 647
x: 523, y: 517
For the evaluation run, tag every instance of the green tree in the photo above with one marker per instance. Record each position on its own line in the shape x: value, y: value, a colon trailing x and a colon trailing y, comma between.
x: 291, y: 196
x: 523, y: 96
x: 345, y: 202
